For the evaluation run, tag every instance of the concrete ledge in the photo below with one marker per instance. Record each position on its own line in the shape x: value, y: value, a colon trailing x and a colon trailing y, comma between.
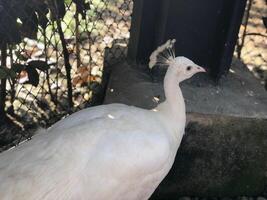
x: 219, y: 157
x: 239, y: 94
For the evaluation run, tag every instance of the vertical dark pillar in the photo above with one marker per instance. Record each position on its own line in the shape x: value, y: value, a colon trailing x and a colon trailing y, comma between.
x: 206, y: 31
x: 144, y: 29
x: 231, y: 36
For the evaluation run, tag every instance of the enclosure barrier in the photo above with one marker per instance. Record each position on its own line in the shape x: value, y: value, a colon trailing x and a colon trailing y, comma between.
x: 53, y: 53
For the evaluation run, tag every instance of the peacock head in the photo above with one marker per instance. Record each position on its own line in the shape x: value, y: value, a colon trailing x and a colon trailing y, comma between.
x: 185, y: 68
x: 180, y: 66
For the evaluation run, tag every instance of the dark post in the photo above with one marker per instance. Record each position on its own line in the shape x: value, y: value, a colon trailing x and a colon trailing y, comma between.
x: 206, y: 31
x: 231, y: 37
x: 143, y: 29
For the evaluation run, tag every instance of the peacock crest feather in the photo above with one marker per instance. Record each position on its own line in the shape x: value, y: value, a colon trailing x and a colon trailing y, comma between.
x: 163, y: 55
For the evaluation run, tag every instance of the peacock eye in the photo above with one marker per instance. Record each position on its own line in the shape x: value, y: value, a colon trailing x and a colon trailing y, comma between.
x: 188, y: 68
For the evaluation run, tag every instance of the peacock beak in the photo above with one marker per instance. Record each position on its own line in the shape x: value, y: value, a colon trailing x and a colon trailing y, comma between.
x: 201, y: 69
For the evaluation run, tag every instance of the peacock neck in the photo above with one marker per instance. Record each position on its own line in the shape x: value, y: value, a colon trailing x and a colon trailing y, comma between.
x: 173, y: 108
x: 174, y: 97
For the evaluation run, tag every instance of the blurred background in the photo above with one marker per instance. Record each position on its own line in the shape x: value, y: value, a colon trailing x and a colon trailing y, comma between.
x: 251, y: 47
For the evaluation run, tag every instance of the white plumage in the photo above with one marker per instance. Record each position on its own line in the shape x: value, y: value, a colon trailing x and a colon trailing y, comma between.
x: 108, y: 152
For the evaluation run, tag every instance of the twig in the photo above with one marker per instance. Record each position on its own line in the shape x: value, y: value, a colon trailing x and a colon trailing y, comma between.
x: 3, y: 81
x: 67, y: 62
x: 12, y: 81
x: 77, y: 35
x: 57, y: 60
x: 54, y: 100
x: 256, y: 34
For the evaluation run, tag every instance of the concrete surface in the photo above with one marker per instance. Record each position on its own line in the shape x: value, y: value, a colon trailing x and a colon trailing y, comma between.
x: 239, y: 94
x: 219, y: 157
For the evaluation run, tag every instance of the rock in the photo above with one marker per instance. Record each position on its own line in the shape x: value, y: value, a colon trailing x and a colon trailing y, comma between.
x: 96, y: 56
x: 113, y: 14
x: 121, y: 24
x: 94, y: 33
x: 87, y: 96
x: 30, y: 42
x: 119, y: 3
x: 107, y: 39
x: 85, y: 59
x: 127, y: 13
x: 105, y: 14
x: 93, y: 48
x: 124, y: 6
x: 114, y: 25
x: 102, y: 32
x: 109, y: 21
x: 95, y: 71
x: 131, y: 6
x: 119, y: 18
x: 101, y: 46
x: 125, y: 32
